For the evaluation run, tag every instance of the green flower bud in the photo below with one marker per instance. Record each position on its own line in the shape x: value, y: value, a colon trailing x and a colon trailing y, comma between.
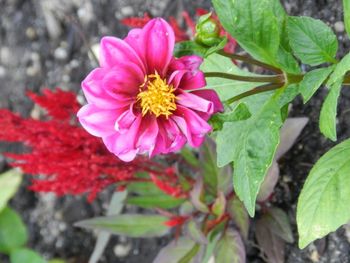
x: 207, y: 31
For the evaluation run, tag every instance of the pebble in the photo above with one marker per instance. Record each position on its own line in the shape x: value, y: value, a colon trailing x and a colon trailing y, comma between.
x: 127, y: 10
x: 31, y: 33
x: 2, y: 163
x: 122, y: 250
x: 2, y: 72
x: 339, y: 26
x: 60, y: 53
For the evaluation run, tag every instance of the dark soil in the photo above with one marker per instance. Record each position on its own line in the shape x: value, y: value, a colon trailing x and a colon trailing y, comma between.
x: 41, y: 45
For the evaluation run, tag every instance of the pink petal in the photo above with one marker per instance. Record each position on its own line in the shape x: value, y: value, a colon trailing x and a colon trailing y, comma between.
x: 191, y: 63
x: 192, y: 125
x: 195, y: 102
x: 98, y: 122
x: 134, y: 40
x: 94, y: 92
x: 193, y: 80
x: 114, y: 51
x: 212, y: 96
x: 123, y: 145
x: 123, y: 81
x: 147, y: 134
x: 157, y: 40
x: 123, y: 123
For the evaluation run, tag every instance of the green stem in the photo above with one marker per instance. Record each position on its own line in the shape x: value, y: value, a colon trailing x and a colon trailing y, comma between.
x: 260, y: 89
x: 266, y: 79
x: 249, y: 60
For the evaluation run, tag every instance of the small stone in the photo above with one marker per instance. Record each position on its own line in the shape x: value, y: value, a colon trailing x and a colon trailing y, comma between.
x: 31, y: 33
x: 127, y: 10
x: 61, y: 53
x: 66, y: 78
x: 122, y: 250
x: 339, y: 26
x: 2, y: 72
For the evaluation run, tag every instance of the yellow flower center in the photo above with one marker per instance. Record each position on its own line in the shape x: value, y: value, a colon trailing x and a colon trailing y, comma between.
x: 156, y: 96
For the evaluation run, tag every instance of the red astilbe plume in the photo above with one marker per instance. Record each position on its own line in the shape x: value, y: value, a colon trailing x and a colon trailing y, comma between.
x: 62, y: 157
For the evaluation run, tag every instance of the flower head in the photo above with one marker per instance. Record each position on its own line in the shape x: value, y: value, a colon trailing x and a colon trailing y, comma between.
x: 142, y: 99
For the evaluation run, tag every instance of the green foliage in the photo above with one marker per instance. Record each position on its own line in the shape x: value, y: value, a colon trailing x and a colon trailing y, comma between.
x: 26, y: 255
x: 312, y: 41
x: 240, y: 216
x: 130, y: 225
x: 155, y: 201
x: 340, y: 70
x: 254, y: 143
x: 193, y: 48
x: 224, y: 87
x: 312, y: 81
x: 253, y: 24
x: 9, y: 183
x: 175, y: 250
x: 323, y: 204
x: 230, y: 248
x: 346, y: 5
x: 13, y: 233
x: 328, y: 114
x: 239, y: 113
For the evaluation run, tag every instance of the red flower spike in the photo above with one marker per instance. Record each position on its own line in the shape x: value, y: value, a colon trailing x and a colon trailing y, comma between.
x: 63, y: 157
x: 176, y: 221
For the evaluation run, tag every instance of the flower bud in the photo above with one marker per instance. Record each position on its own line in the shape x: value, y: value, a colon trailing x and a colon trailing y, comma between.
x: 207, y: 31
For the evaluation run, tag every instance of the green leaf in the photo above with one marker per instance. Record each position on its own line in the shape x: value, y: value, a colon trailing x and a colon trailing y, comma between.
x: 219, y: 205
x: 9, y: 183
x: 239, y: 215
x: 253, y: 146
x: 230, y: 248
x: 239, y: 113
x: 192, y: 48
x: 155, y: 201
x: 174, y: 251
x: 13, y: 233
x: 312, y: 41
x: 26, y: 255
x: 312, y: 81
x: 195, y: 233
x: 130, y: 225
x: 215, y: 178
x: 226, y: 88
x: 346, y: 5
x: 340, y: 70
x: 144, y: 188
x: 189, y: 156
x: 287, y: 62
x: 115, y: 207
x: 288, y: 94
x: 328, y: 115
x: 323, y: 203
x: 253, y: 23
x: 280, y: 224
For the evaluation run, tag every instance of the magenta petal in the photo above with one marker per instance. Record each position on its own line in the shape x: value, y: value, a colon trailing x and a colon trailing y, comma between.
x: 123, y: 123
x: 157, y: 40
x: 113, y: 51
x: 190, y: 63
x: 195, y: 102
x: 123, y: 81
x: 94, y: 92
x: 148, y: 134
x: 96, y: 121
x: 192, y: 125
x: 124, y: 144
x: 193, y: 80
x: 212, y: 96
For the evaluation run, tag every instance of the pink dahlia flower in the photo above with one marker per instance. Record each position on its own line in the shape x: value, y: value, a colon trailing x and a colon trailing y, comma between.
x: 142, y: 99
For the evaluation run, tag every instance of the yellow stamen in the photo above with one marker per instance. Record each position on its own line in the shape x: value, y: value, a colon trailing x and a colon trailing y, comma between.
x: 156, y: 96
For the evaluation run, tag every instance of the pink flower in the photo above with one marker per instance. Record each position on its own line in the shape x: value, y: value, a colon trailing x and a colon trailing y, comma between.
x: 142, y: 99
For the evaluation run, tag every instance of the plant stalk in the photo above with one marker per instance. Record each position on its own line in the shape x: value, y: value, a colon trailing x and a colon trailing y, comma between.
x: 250, y: 60
x: 266, y: 79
